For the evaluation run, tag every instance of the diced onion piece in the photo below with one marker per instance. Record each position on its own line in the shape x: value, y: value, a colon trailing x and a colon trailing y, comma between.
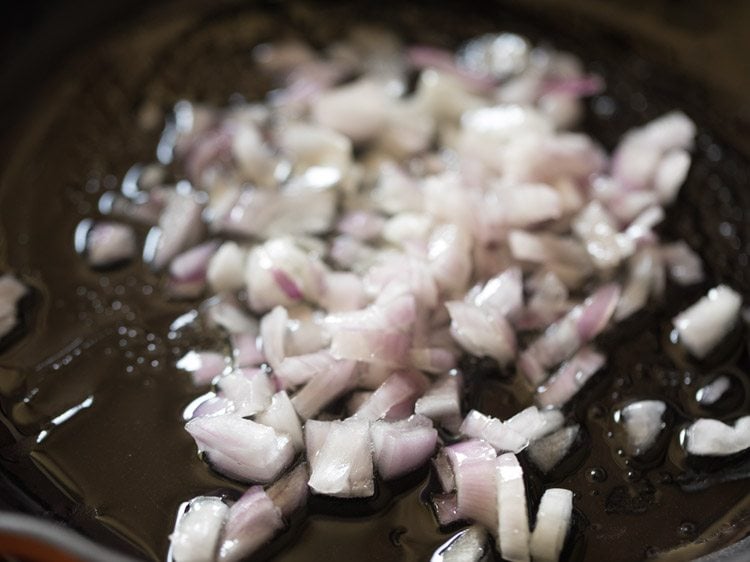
x: 109, y: 243
x: 196, y: 534
x: 282, y: 416
x: 402, y: 446
x: 473, y: 464
x: 708, y: 437
x: 290, y: 492
x: 203, y: 366
x: 324, y: 388
x: 643, y: 423
x: 570, y: 378
x: 273, y: 328
x: 442, y: 401
x: 513, y: 519
x: 548, y: 451
x: 533, y: 423
x: 342, y: 464
x: 249, y: 390
x: 703, y: 325
x: 481, y: 334
x: 179, y: 228
x: 468, y: 545
x: 253, y: 520
x: 712, y: 392
x: 552, y: 524
x: 226, y: 268
x: 685, y: 266
x: 395, y: 398
x: 241, y: 448
x: 446, y: 508
x: 493, y: 431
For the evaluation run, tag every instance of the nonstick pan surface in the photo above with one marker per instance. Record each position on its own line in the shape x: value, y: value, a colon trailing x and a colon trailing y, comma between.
x: 84, y: 90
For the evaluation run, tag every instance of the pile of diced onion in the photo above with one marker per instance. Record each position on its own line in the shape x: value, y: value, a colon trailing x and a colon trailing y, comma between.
x: 381, y: 213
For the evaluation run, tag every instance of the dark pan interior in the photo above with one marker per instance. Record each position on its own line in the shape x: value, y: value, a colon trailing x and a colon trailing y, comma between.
x: 118, y: 470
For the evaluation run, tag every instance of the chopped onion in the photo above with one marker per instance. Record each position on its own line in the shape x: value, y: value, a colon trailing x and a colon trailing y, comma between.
x: 109, y: 243
x: 643, y: 423
x: 253, y: 520
x: 442, y: 402
x: 179, y: 228
x: 552, y: 524
x: 196, y: 534
x: 533, y: 423
x: 289, y: 493
x: 570, y: 378
x: 282, y: 416
x: 446, y: 508
x: 468, y: 545
x: 702, y: 326
x: 342, y: 463
x: 273, y: 335
x: 708, y: 437
x: 473, y: 464
x: 402, y: 446
x: 480, y: 333
x: 203, y: 366
x: 493, y: 431
x: 395, y: 398
x: 685, y: 266
x: 241, y: 448
x: 712, y: 392
x: 226, y: 269
x: 513, y: 519
x: 249, y: 390
x: 325, y: 387
x: 548, y: 451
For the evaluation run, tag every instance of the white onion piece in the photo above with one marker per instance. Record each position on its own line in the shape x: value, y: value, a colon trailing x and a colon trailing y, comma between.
x: 600, y: 234
x: 305, y: 331
x: 109, y: 243
x: 533, y: 423
x: 342, y: 464
x: 708, y: 437
x: 395, y: 398
x: 249, y: 390
x: 643, y: 423
x: 179, y: 228
x: 442, y: 401
x: 645, y: 277
x: 226, y: 312
x: 564, y: 256
x: 548, y: 451
x: 703, y: 325
x: 433, y: 360
x: 468, y: 545
x: 449, y: 254
x: 527, y: 204
x: 501, y: 295
x: 357, y: 110
x: 639, y: 154
x: 685, y: 266
x: 446, y: 508
x: 253, y: 520
x: 513, y: 519
x: 712, y: 392
x: 203, y: 366
x: 552, y: 524
x: 246, y: 350
x: 401, y: 447
x: 493, y: 431
x: 196, y: 534
x: 473, y: 464
x: 273, y: 329
x: 362, y: 225
x: 570, y: 378
x: 226, y: 268
x: 207, y: 405
x: 670, y: 174
x: 442, y: 468
x: 298, y: 208
x: 480, y: 333
x: 325, y: 387
x: 11, y: 291
x: 281, y: 273
x: 282, y: 416
x: 343, y: 292
x: 295, y: 371
x: 241, y: 448
x: 187, y: 271
x: 290, y: 492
